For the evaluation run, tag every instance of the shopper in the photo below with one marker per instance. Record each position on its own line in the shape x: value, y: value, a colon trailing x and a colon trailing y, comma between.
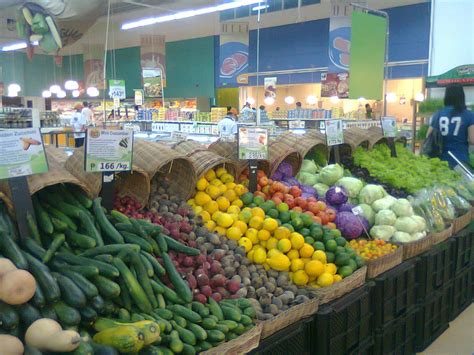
x: 78, y: 124
x: 455, y: 125
x: 299, y: 110
x: 368, y: 112
x: 263, y: 115
x: 247, y: 114
x: 87, y: 113
x: 228, y: 126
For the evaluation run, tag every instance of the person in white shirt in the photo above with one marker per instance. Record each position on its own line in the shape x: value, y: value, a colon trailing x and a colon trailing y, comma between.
x: 87, y: 113
x: 227, y: 126
x: 78, y: 124
x: 247, y: 113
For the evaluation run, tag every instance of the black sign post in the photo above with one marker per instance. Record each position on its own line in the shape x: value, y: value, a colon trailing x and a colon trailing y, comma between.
x: 253, y: 167
x: 108, y: 190
x: 22, y: 203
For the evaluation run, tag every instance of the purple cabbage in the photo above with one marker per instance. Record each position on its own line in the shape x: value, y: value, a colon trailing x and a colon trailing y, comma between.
x: 306, y: 195
x: 346, y: 207
x: 292, y: 181
x: 278, y: 176
x: 309, y: 190
x: 286, y: 169
x: 336, y: 195
x: 349, y: 225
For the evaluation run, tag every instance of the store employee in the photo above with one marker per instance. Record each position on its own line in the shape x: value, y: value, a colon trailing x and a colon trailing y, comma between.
x: 78, y: 123
x: 228, y: 125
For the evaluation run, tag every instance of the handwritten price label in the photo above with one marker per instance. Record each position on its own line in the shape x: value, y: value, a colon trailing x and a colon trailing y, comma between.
x: 114, y: 166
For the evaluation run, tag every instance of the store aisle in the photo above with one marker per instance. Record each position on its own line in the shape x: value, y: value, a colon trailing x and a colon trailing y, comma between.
x: 458, y: 339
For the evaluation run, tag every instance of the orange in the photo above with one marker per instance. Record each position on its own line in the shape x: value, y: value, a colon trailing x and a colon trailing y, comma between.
x: 257, y: 211
x: 306, y: 251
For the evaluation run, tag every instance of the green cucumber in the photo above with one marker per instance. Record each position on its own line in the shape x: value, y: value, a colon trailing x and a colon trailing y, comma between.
x: 181, y: 287
x: 28, y: 314
x: 106, y: 258
x: 88, y: 315
x: 135, y: 239
x: 157, y: 267
x: 49, y: 312
x: 109, y: 230
x: 58, y: 241
x: 70, y: 292
x: 104, y: 269
x: 58, y: 225
x: 86, y: 271
x: 80, y: 240
x: 10, y: 249
x: 215, y: 309
x: 110, y: 249
x: 100, y: 349
x: 34, y: 248
x: 185, y: 335
x: 147, y: 264
x: 246, y: 320
x: 231, y: 313
x: 90, y: 228
x: 125, y: 227
x: 62, y: 217
x: 204, y: 312
x: 205, y: 345
x: 250, y: 312
x: 162, y: 242
x: 215, y: 336
x: 107, y: 288
x: 176, y: 345
x: 38, y: 299
x: 164, y: 313
x: 42, y: 217
x: 120, y: 217
x: 240, y: 329
x: 98, y: 304
x: 230, y: 324
x: 185, y: 312
x: 9, y: 318
x: 161, y: 301
x: 67, y: 315
x: 168, y: 293
x: 43, y: 277
x: 209, y: 323
x: 33, y: 228
x: 197, y: 306
x: 198, y: 331
x: 124, y: 294
x: 143, y: 278
x: 87, y: 287
x: 222, y: 327
x: 81, y: 197
x: 124, y: 315
x: 180, y: 320
x: 179, y: 247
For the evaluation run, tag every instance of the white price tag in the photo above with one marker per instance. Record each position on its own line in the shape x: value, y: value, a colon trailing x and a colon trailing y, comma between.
x: 334, y: 132
x: 253, y: 143
x: 389, y: 126
x: 357, y: 210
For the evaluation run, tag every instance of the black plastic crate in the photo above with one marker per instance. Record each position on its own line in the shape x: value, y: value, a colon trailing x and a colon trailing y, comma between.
x: 342, y: 326
x: 291, y: 340
x: 397, y: 336
x: 464, y: 249
x: 435, y: 269
x: 462, y: 292
x: 394, y: 293
x: 432, y: 317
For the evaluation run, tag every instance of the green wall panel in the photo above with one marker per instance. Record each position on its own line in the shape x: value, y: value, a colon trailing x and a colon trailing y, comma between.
x: 127, y: 67
x: 190, y: 68
x: 228, y: 97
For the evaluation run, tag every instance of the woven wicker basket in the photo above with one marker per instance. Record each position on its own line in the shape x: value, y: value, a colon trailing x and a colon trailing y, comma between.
x: 461, y: 222
x: 8, y: 203
x: 288, y: 317
x: 303, y: 143
x: 377, y: 266
x: 417, y: 247
x: 346, y: 285
x: 439, y: 237
x: 279, y: 152
x: 135, y: 183
x: 75, y: 165
x: 241, y: 345
x: 162, y: 163
x: 355, y: 137
x: 186, y: 148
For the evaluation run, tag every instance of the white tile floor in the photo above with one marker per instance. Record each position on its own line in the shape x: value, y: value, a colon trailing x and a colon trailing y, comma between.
x: 458, y: 339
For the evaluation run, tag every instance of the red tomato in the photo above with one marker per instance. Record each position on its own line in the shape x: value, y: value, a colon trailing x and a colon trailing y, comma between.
x: 295, y: 191
x: 313, y: 207
x: 317, y: 219
x: 277, y: 200
x: 321, y: 205
x: 263, y: 181
x: 331, y: 213
x: 280, y: 195
x: 300, y: 201
x: 288, y: 197
x: 297, y: 209
x: 324, y: 218
x: 290, y: 202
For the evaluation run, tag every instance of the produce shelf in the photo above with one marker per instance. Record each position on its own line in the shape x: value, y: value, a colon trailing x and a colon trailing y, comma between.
x: 434, y: 269
x: 464, y: 248
x: 394, y: 293
x: 342, y: 326
x: 462, y: 292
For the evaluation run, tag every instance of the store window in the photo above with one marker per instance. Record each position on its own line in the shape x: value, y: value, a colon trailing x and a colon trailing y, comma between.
x: 274, y: 5
x: 243, y: 11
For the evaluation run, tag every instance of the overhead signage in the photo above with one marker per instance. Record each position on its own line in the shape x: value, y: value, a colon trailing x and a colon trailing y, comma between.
x: 334, y: 132
x: 138, y: 97
x: 253, y: 143
x: 117, y: 89
x: 108, y: 150
x: 21, y: 153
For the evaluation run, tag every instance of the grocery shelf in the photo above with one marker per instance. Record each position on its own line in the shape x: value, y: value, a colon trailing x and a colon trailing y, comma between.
x: 462, y: 292
x: 464, y: 248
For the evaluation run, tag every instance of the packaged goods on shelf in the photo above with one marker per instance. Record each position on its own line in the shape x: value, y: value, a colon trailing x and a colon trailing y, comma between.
x: 218, y: 113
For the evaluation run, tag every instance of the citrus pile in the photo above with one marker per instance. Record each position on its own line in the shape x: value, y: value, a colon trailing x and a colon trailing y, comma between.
x: 372, y: 249
x: 217, y: 200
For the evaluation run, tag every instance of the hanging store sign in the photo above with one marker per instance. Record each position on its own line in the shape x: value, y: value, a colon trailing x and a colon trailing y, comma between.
x: 138, y: 97
x: 253, y: 143
x: 270, y: 87
x: 463, y: 74
x: 234, y: 54
x: 117, y: 89
x: 334, y: 132
x: 108, y: 150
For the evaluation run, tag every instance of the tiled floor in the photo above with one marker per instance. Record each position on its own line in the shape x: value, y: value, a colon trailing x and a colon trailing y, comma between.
x: 458, y: 339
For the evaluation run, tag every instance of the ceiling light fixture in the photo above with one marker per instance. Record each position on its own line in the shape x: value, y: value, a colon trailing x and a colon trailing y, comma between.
x: 54, y: 89
x: 61, y: 94
x: 186, y: 14
x: 17, y: 46
x: 76, y: 93
x: 419, y: 97
x: 14, y: 88
x: 311, y: 99
x: 250, y: 100
x: 391, y: 97
x: 269, y: 101
x: 46, y: 94
x: 12, y: 93
x: 290, y: 100
x: 71, y: 85
x: 334, y: 99
x: 92, y: 91
x: 260, y: 7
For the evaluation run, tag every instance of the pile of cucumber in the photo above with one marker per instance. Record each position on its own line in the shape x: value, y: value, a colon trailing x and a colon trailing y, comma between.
x: 90, y: 266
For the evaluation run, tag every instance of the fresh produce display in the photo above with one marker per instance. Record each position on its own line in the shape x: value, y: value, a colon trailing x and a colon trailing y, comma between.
x: 107, y: 281
x: 372, y: 249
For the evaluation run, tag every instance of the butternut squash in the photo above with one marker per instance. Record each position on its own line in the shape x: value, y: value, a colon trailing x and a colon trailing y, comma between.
x: 10, y: 345
x: 47, y: 335
x: 6, y: 266
x: 17, y: 287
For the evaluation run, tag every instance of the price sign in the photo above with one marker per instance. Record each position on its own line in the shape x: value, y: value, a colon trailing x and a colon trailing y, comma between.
x: 179, y: 136
x: 296, y: 124
x: 21, y: 153
x: 357, y: 210
x: 334, y: 132
x: 117, y: 89
x: 389, y: 126
x: 253, y: 143
x: 138, y: 97
x: 108, y: 150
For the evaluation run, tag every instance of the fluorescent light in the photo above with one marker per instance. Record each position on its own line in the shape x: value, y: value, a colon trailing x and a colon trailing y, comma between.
x: 260, y: 7
x: 269, y: 100
x: 187, y: 14
x: 16, y: 46
x: 71, y: 85
x: 14, y: 87
x: 46, y: 93
x: 76, y: 93
x: 290, y: 100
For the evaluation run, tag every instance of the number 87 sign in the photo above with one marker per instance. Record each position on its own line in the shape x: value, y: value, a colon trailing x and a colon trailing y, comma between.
x: 108, y: 150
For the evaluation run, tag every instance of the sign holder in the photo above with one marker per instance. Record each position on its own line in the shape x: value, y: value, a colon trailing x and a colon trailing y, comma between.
x: 252, y: 145
x: 334, y: 136
x: 108, y: 189
x: 389, y: 130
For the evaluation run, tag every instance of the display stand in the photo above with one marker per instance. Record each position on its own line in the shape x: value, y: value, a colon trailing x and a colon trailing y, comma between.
x: 253, y: 146
x: 334, y: 137
x: 389, y: 130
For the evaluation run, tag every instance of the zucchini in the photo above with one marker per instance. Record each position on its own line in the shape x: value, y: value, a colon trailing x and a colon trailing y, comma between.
x: 9, y: 318
x: 49, y: 312
x: 58, y: 225
x: 58, y: 241
x: 157, y: 267
x: 135, y: 239
x: 38, y: 299
x: 10, y: 249
x: 136, y: 291
x: 28, y: 314
x: 107, y: 288
x: 179, y: 247
x: 87, y: 287
x: 104, y: 269
x: 67, y: 315
x: 80, y: 240
x: 34, y: 248
x: 43, y: 277
x: 181, y: 287
x: 143, y: 279
x: 185, y: 312
x: 42, y: 217
x: 104, y: 223
x: 33, y: 228
x: 110, y: 249
x: 70, y: 292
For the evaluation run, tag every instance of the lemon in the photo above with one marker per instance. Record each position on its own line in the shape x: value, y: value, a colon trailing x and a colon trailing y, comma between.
x: 234, y: 233
x: 211, y: 207
x: 205, y: 216
x: 191, y: 202
x: 284, y: 245
x: 272, y: 252
x: 233, y: 209
x: 245, y: 242
x: 210, y: 225
x: 320, y: 255
x: 256, y: 222
x: 225, y: 178
x: 266, y: 266
x: 223, y: 203
x: 258, y: 212
x: 297, y: 264
x: 210, y: 175
x: 260, y: 256
x: 234, y: 216
x: 230, y: 195
x: 250, y: 255
x: 231, y: 186
x: 237, y: 203
x: 293, y: 254
x: 325, y: 279
x: 252, y: 234
x: 222, y: 188
x: 197, y: 209
x: 272, y: 243
x: 306, y: 260
x: 220, y: 230
x: 270, y: 224
x: 300, y: 278
x: 314, y: 284
x: 225, y: 220
x: 245, y: 216
x: 201, y: 198
x: 282, y: 233
x: 337, y: 278
x: 221, y: 171
x: 297, y: 240
x: 241, y: 225
x: 216, y: 182
x: 216, y: 215
x: 240, y: 189
x: 306, y: 251
x: 263, y: 243
x: 331, y: 268
x: 263, y: 235
x: 202, y: 184
x: 279, y: 262
x: 314, y: 268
